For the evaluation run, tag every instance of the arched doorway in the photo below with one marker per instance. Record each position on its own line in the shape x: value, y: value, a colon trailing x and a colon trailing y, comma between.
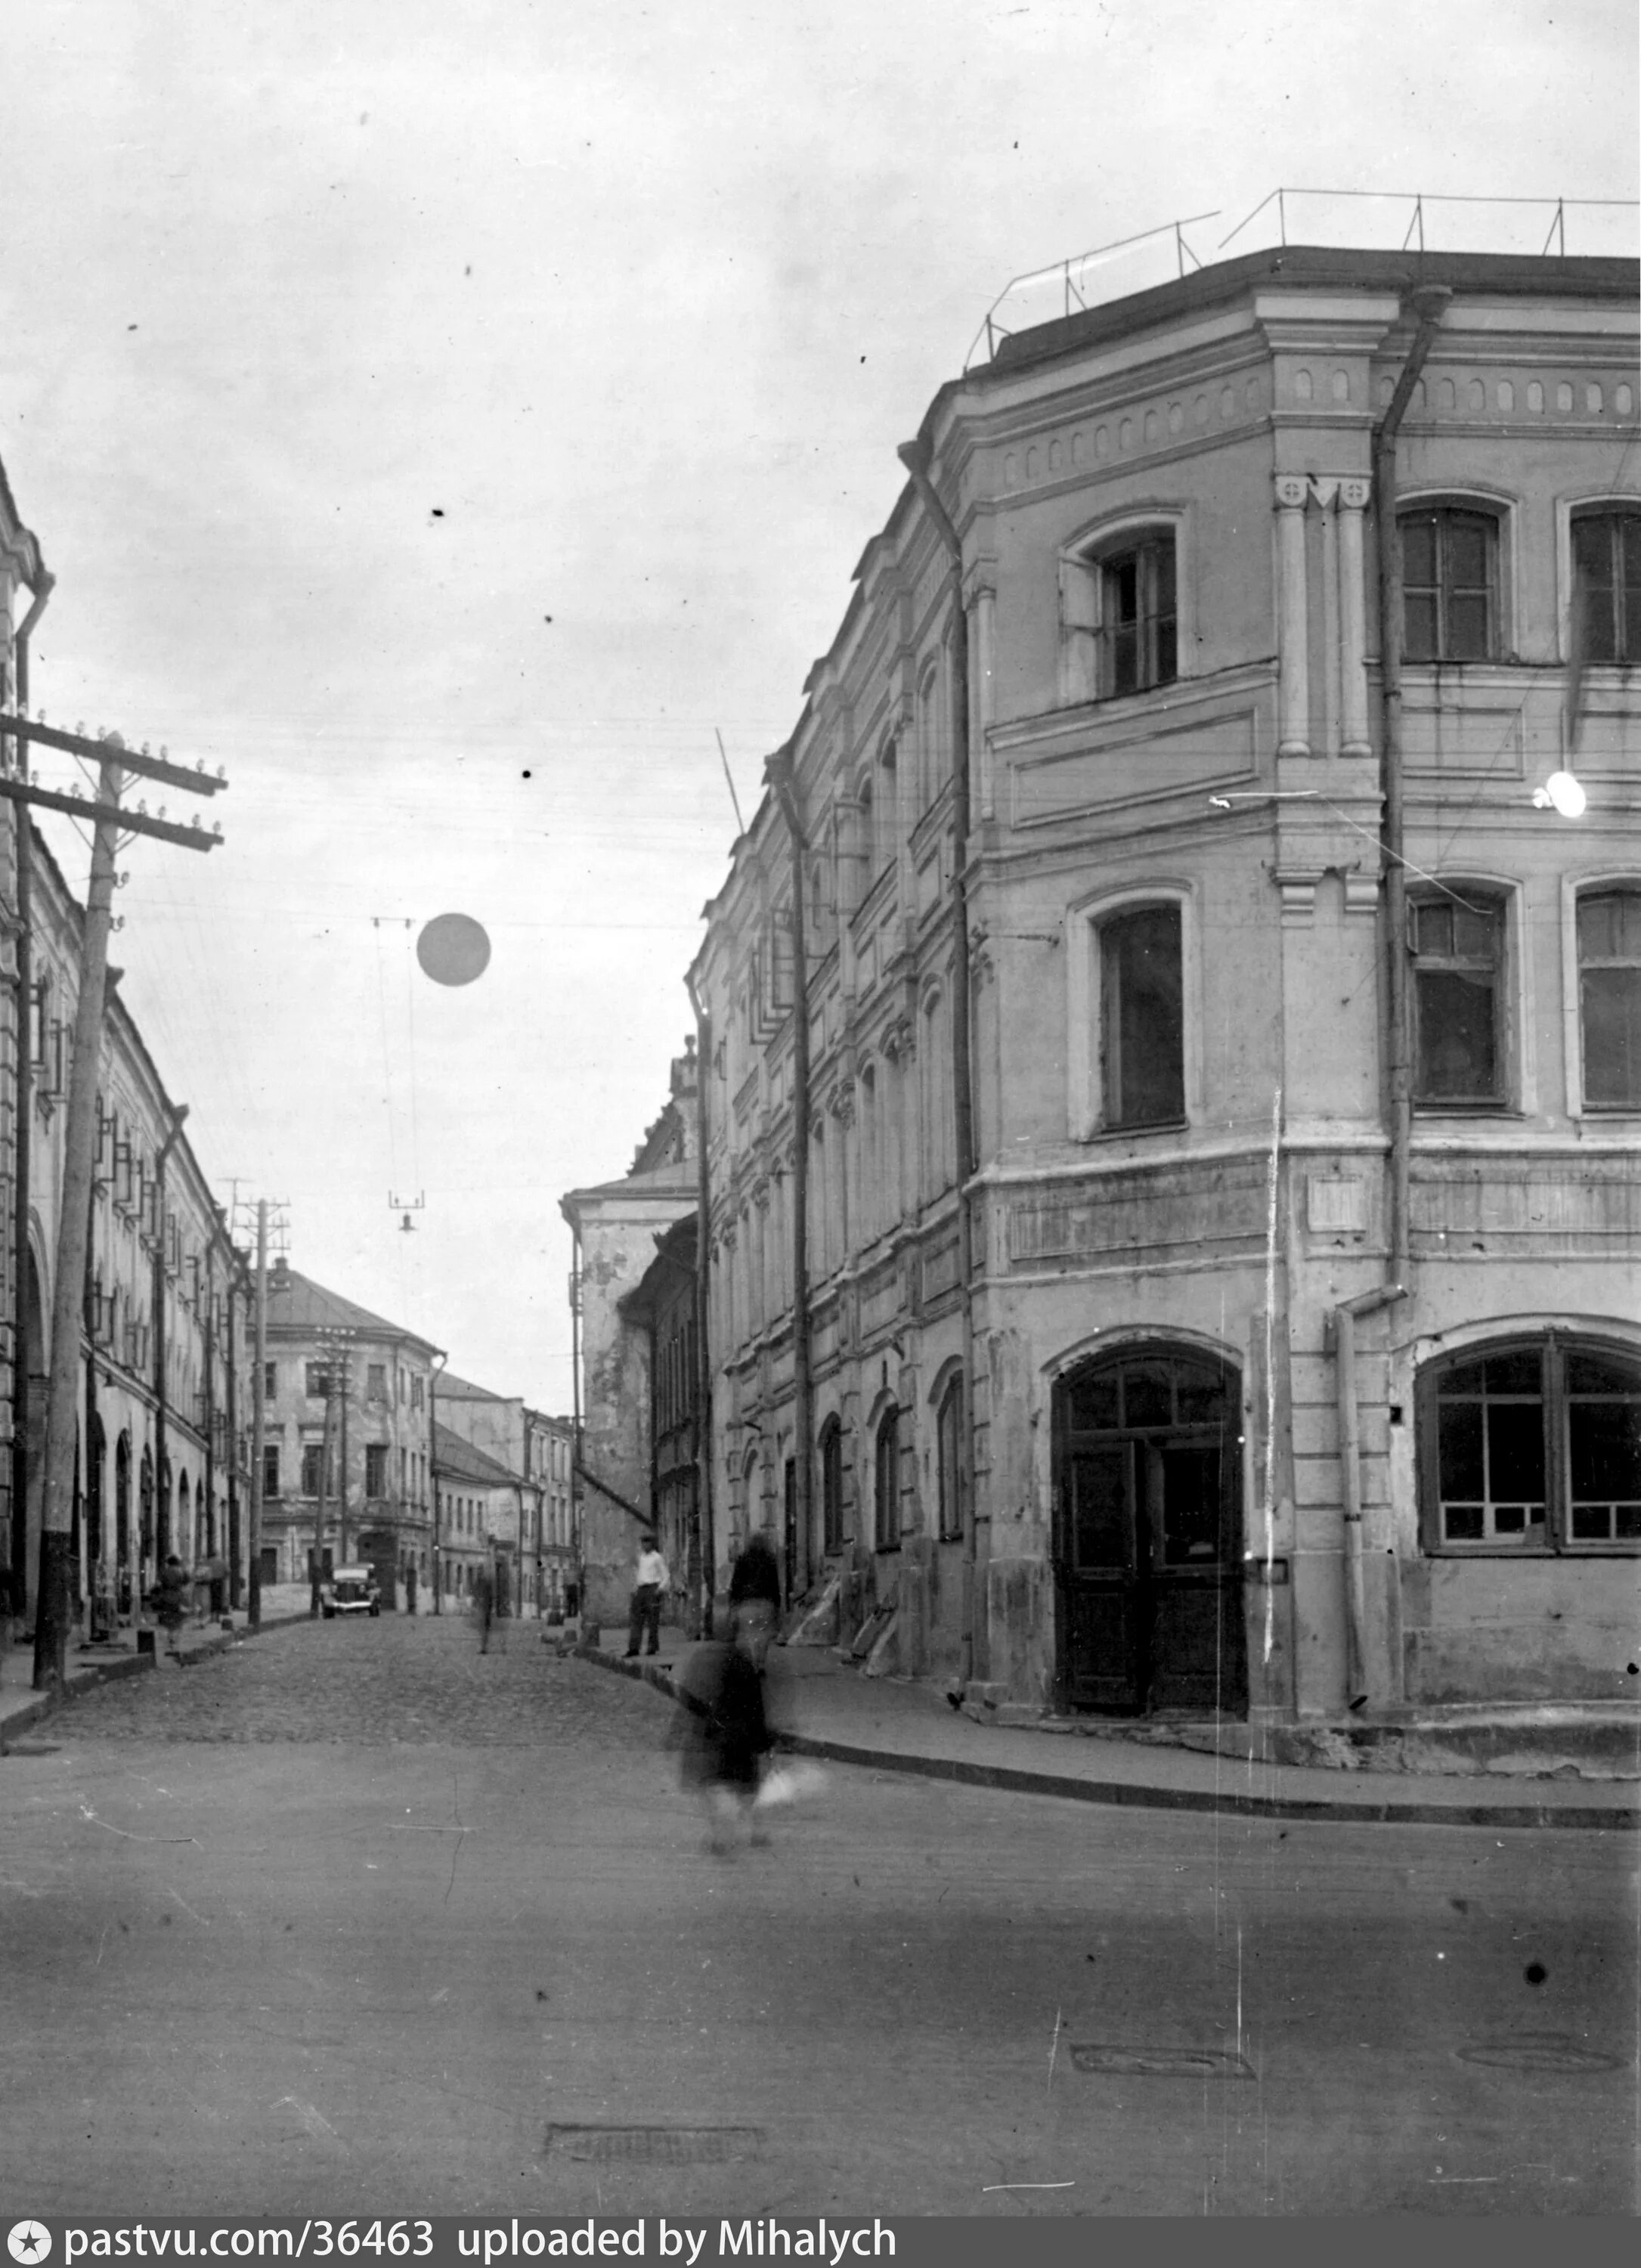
x: 1148, y: 1535
x: 122, y: 1498
x: 152, y: 1550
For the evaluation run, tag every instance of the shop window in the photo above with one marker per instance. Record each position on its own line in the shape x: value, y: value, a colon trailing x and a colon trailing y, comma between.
x: 1532, y: 1445
x: 1609, y: 997
x: 1141, y: 1018
x: 1606, y: 585
x: 1457, y: 1000
x: 1450, y: 585
x: 885, y: 1477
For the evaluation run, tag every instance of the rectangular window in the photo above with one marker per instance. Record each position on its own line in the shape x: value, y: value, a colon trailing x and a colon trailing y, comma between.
x: 270, y: 1381
x: 312, y: 1467
x: 1533, y: 1448
x: 832, y: 1488
x: 1138, y: 633
x: 887, y: 1484
x: 375, y: 1382
x: 416, y: 1387
x: 1606, y: 586
x: 1609, y: 998
x: 1448, y: 583
x: 1457, y: 993
x: 376, y: 1468
x: 270, y: 1469
x: 1141, y: 1018
x: 318, y: 1376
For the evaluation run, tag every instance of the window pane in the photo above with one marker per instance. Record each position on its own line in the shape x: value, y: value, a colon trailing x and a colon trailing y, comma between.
x: 1601, y: 926
x: 1465, y: 1378
x: 1095, y: 1404
x: 1190, y: 1506
x: 1145, y: 1017
x: 1203, y: 1398
x: 1466, y: 554
x: 1515, y: 1451
x: 1418, y: 632
x: 1611, y: 1003
x: 1600, y: 1373
x: 1432, y: 928
x: 1101, y: 1522
x: 1467, y: 628
x: 1459, y: 1450
x: 1464, y: 1523
x: 1521, y: 1372
x: 1458, y: 1054
x: 1148, y: 1394
x: 1592, y: 1523
x: 1604, y: 1449
x: 1418, y: 552
x: 1593, y: 550
x: 1475, y: 933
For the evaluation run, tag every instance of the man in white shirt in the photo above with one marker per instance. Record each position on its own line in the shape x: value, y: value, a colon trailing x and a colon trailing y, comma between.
x: 647, y: 1593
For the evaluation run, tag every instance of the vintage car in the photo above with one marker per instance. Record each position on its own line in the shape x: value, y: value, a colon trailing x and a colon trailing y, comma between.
x: 350, y: 1591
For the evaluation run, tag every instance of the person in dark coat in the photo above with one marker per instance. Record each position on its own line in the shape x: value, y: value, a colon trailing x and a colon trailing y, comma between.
x: 754, y: 1595
x: 173, y: 1600
x: 724, y: 1737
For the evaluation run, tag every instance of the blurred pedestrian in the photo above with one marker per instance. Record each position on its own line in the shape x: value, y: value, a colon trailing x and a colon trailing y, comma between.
x: 483, y: 1606
x: 648, y: 1591
x: 754, y: 1595
x: 723, y: 1736
x: 173, y: 1603
x: 410, y: 1587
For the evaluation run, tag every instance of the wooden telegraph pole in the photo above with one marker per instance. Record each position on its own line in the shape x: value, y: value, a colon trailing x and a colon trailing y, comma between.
x: 259, y: 1418
x: 53, y: 1609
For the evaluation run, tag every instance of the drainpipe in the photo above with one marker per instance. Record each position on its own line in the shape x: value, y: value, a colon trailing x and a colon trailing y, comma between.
x: 24, y: 1354
x: 163, y: 1541
x: 701, y: 1541
x: 434, y: 1368
x: 1429, y: 303
x: 917, y: 456
x: 782, y: 774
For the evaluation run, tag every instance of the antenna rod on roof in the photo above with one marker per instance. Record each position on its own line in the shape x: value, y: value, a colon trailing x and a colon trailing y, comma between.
x: 741, y: 824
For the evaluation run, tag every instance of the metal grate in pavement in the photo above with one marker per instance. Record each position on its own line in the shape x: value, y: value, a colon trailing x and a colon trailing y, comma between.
x: 657, y: 2146
x: 1163, y: 2063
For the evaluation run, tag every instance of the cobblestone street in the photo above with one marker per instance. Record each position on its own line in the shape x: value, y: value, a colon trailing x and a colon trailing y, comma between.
x: 351, y: 1920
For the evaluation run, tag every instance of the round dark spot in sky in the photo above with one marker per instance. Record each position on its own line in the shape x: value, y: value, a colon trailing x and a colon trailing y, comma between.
x: 526, y: 775
x: 1633, y: 1668
x: 1535, y: 1972
x: 439, y: 511
x: 453, y: 949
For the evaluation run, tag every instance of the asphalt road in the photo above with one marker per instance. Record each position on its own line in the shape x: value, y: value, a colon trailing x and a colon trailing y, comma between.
x: 352, y: 1920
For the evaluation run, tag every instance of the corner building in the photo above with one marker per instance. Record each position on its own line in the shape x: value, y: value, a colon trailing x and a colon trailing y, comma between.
x: 1172, y: 1449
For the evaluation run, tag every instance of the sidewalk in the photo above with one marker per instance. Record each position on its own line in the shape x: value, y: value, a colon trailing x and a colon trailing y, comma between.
x: 820, y: 1707
x: 20, y: 1706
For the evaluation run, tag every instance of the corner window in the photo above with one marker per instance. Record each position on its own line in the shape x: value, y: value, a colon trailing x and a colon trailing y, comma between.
x: 1606, y: 585
x: 1458, y: 997
x: 1142, y: 1019
x: 949, y: 1446
x: 1609, y: 998
x: 1532, y: 1445
x: 886, y: 1476
x: 1138, y: 634
x: 1450, y: 585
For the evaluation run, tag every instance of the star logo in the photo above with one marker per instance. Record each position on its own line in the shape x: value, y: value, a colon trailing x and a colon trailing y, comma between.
x: 28, y: 2241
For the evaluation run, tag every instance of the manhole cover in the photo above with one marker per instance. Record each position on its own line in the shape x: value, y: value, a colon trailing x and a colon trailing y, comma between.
x: 657, y: 2146
x: 1164, y: 2063
x: 1541, y: 2051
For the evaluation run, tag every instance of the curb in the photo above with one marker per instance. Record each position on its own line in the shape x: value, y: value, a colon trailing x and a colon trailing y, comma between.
x: 110, y: 1672
x: 1014, y: 1779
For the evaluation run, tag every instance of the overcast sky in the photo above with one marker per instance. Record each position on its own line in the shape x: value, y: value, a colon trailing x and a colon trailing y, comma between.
x: 446, y: 416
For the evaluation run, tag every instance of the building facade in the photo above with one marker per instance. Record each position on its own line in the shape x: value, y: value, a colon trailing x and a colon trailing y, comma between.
x: 535, y: 1451
x: 348, y: 1417
x: 1248, y: 1326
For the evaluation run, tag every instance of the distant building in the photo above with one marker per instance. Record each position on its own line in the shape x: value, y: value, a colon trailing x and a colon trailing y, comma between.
x: 482, y: 1516
x: 536, y: 1451
x: 347, y: 1427
x: 616, y: 1225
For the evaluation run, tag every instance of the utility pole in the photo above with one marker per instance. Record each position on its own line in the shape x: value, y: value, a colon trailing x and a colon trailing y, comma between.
x: 316, y: 1567
x: 259, y: 1421
x: 113, y: 761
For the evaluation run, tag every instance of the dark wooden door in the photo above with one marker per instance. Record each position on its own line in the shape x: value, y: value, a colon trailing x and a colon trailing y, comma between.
x: 1148, y: 1536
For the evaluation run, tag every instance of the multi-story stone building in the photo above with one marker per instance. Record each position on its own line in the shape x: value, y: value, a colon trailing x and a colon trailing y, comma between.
x: 348, y: 1438
x: 535, y: 1451
x: 1245, y: 1319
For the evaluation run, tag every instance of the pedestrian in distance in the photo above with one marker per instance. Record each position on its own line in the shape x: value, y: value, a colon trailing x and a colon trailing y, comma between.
x: 410, y: 1587
x: 754, y: 1595
x: 172, y: 1607
x: 483, y: 1606
x: 648, y: 1591
x: 724, y: 1737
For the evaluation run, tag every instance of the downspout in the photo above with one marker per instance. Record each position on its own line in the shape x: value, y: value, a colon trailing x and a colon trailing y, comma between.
x: 1429, y: 303
x: 233, y: 1280
x: 917, y: 456
x: 23, y: 1353
x: 703, y: 1576
x: 164, y: 1542
x: 574, y: 1454
x: 781, y: 773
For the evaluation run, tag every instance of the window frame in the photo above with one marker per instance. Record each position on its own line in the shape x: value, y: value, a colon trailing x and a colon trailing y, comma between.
x: 1569, y: 512
x: 1554, y: 1343
x: 1509, y: 1020
x: 1448, y: 509
x: 1086, y: 1115
x: 886, y: 1480
x: 1086, y: 670
x: 1574, y: 890
x: 833, y: 1538
x: 951, y: 1476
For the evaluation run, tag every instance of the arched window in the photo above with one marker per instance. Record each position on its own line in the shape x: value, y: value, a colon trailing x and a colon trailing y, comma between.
x: 886, y: 838
x: 949, y: 1448
x: 885, y: 1481
x: 832, y: 1486
x: 1449, y: 583
x: 932, y: 757
x: 1530, y: 1444
x: 1606, y: 584
x: 1120, y: 615
x: 1609, y: 996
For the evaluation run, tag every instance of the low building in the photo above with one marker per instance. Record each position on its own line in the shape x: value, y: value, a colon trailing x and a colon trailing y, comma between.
x: 482, y: 1524
x: 535, y: 1451
x: 347, y: 1461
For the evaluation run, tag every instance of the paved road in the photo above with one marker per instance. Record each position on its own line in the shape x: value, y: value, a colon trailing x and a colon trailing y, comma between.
x: 354, y: 1920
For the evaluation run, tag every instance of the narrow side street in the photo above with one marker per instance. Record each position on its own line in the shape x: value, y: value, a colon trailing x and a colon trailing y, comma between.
x: 354, y: 1919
